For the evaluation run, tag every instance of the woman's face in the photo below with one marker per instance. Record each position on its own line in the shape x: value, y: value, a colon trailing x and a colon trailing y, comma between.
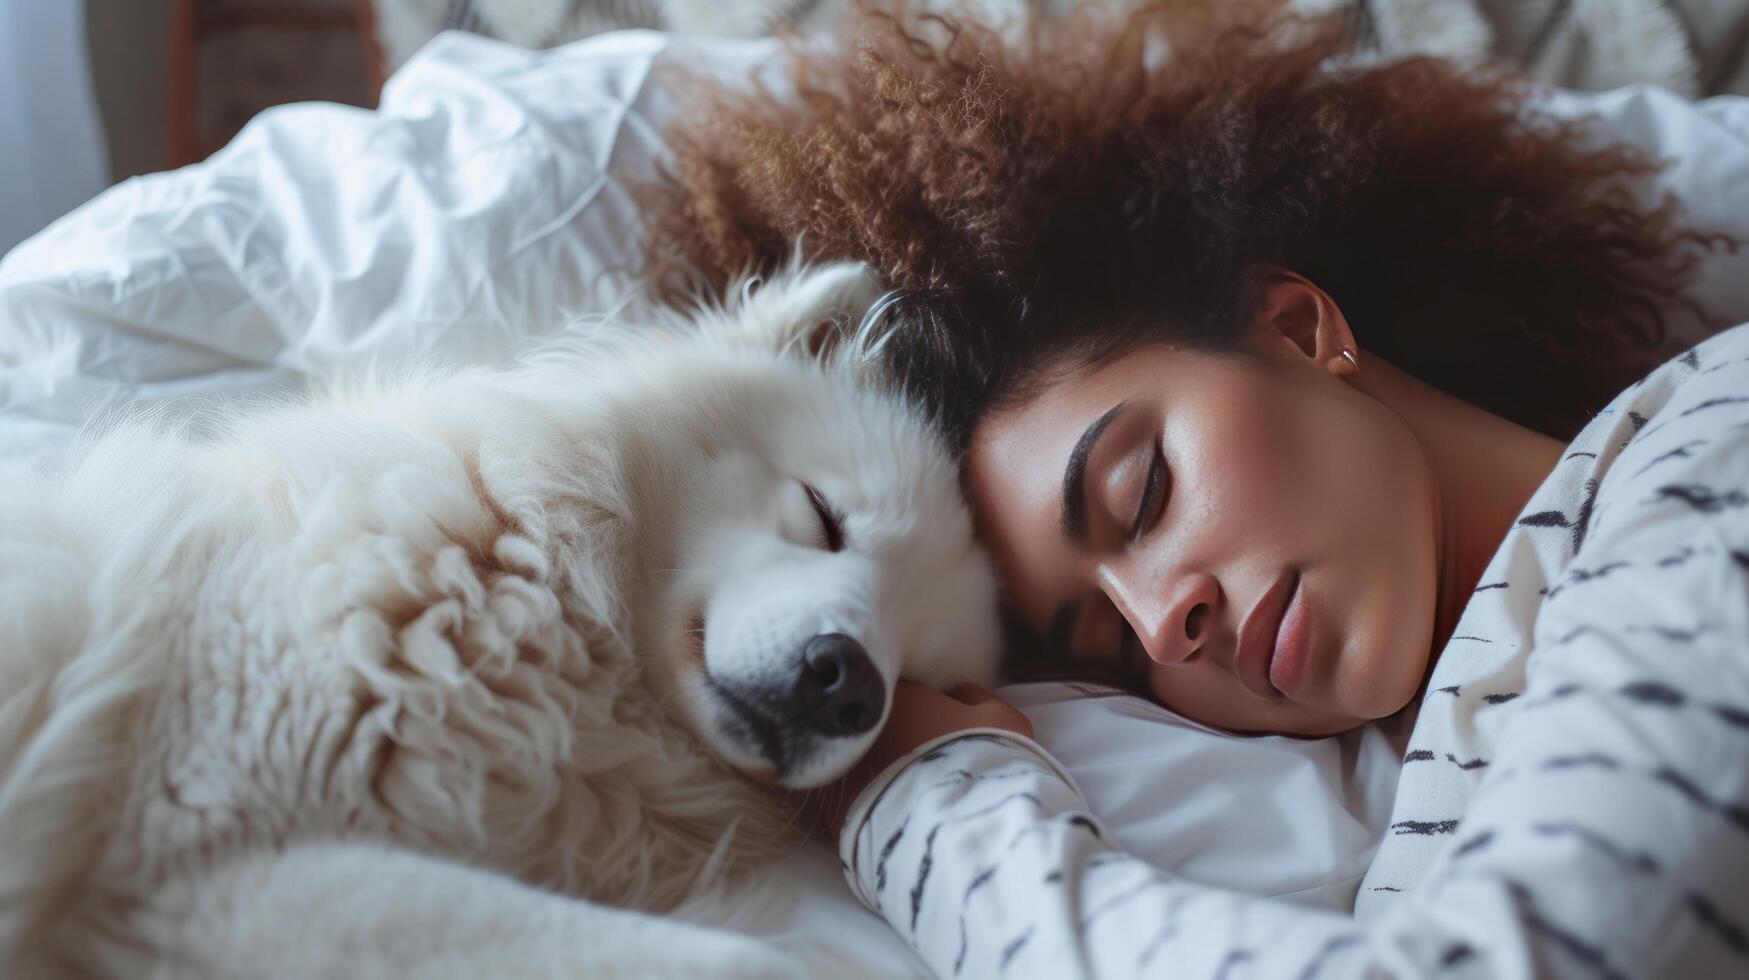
x: 1249, y: 535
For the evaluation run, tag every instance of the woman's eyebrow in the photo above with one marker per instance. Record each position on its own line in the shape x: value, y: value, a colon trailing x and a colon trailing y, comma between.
x: 1075, y: 475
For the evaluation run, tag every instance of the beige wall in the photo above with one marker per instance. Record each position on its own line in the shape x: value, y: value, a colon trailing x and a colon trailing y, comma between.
x: 130, y: 58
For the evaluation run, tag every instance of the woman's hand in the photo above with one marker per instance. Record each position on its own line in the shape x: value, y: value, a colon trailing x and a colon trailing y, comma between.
x: 919, y: 714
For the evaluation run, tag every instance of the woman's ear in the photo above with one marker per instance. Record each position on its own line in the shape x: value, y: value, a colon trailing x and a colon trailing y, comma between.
x: 1290, y: 307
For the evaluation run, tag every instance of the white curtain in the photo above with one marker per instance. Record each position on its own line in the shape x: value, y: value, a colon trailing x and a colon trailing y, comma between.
x: 52, y: 157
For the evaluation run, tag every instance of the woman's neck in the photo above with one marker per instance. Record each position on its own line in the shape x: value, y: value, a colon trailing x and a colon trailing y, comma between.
x: 1484, y: 471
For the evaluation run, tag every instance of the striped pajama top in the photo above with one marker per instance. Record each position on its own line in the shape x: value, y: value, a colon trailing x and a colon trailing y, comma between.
x: 1574, y: 799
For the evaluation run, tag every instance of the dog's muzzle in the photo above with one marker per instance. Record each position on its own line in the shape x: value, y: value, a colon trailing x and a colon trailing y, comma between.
x: 836, y: 692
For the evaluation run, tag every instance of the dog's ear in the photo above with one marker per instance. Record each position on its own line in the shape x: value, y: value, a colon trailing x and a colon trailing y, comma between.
x: 806, y: 310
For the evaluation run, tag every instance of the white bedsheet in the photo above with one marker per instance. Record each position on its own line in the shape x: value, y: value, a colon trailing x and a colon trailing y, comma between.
x: 485, y: 203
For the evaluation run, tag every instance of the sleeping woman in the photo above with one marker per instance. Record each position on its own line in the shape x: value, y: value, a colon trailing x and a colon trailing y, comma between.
x: 1296, y: 396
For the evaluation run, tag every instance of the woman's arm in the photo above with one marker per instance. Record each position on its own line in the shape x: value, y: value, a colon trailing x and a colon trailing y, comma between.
x: 980, y: 851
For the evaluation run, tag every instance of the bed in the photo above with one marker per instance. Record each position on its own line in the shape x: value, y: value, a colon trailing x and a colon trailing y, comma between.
x: 486, y: 203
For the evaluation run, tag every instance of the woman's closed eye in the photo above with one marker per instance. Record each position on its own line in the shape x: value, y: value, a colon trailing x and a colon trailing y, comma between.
x: 1153, y: 494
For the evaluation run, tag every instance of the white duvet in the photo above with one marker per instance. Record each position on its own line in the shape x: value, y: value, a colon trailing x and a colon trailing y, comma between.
x: 485, y: 203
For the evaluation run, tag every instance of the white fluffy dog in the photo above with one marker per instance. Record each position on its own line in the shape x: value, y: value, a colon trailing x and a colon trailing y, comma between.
x: 424, y: 679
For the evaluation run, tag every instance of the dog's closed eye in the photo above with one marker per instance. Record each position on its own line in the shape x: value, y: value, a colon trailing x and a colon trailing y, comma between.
x: 831, y: 520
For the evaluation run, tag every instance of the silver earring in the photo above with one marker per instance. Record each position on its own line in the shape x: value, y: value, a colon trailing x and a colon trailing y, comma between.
x: 1347, y: 354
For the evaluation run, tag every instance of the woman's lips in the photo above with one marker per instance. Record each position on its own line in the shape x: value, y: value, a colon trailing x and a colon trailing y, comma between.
x: 1292, y: 642
x: 1259, y: 636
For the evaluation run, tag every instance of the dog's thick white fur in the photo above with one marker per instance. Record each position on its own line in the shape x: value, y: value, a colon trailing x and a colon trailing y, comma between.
x: 423, y: 678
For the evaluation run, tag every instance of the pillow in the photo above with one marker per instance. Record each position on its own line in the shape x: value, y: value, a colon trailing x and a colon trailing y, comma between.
x: 484, y: 204
x: 1296, y: 818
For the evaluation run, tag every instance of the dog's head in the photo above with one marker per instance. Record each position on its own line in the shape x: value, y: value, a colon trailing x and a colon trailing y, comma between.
x: 822, y: 547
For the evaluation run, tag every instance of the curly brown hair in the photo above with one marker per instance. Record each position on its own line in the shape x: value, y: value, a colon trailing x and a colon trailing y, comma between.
x: 1078, y: 186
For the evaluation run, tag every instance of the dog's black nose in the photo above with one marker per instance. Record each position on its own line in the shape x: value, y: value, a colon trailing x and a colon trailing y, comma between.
x: 839, y: 691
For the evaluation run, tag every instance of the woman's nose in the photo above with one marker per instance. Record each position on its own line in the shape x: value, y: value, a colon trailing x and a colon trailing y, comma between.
x: 1172, y: 619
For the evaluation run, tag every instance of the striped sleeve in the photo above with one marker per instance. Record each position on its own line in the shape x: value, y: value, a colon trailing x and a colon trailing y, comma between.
x: 981, y: 853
